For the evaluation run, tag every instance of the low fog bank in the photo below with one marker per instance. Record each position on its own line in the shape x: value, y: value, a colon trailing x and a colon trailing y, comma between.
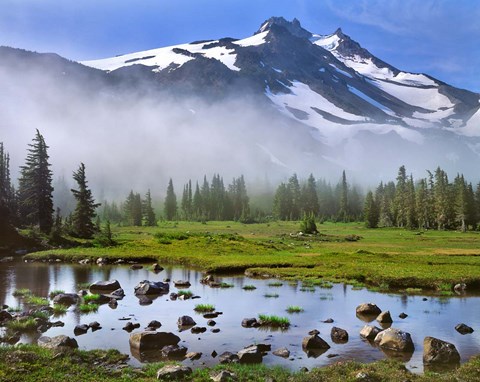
x: 131, y: 141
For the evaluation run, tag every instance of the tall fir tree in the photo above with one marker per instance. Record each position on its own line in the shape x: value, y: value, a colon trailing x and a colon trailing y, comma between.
x: 170, y: 206
x: 133, y: 209
x: 6, y: 191
x: 343, y: 213
x: 370, y: 211
x: 401, y: 198
x: 149, y: 217
x: 84, y: 213
x: 296, y: 197
x: 309, y: 197
x: 35, y: 187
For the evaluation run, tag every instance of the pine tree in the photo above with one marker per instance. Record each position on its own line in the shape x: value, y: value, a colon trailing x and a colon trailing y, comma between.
x: 35, y: 187
x: 149, y: 217
x: 6, y: 195
x: 309, y: 197
x: 281, y: 203
x: 133, y: 209
x: 296, y: 197
x: 83, y: 225
x: 197, y: 204
x: 370, y: 211
x: 401, y: 198
x: 240, y: 200
x: 170, y: 207
x: 422, y: 204
x: 343, y: 213
x: 411, y: 205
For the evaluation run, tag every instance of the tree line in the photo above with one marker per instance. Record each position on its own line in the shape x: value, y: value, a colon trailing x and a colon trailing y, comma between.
x: 432, y: 202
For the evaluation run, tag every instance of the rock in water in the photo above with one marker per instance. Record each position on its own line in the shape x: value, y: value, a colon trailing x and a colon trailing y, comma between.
x: 151, y: 287
x: 339, y: 336
x: 186, y: 321
x: 105, y: 286
x: 369, y: 332
x: 438, y: 352
x: 314, y: 342
x: 385, y: 317
x: 368, y: 309
x: 394, y: 339
x: 463, y: 329
x: 152, y: 340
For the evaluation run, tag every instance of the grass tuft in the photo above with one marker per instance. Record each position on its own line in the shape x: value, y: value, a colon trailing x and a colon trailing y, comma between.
x: 22, y: 292
x: 294, y: 309
x: 186, y: 293
x: 22, y: 325
x: 249, y: 287
x: 88, y: 308
x: 226, y: 285
x: 55, y: 292
x: 35, y: 300
x: 59, y: 309
x: 271, y: 295
x: 274, y: 321
x: 204, y: 308
x: 275, y: 284
x: 91, y: 298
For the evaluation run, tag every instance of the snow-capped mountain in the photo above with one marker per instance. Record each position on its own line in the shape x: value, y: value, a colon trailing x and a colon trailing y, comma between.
x: 283, y: 100
x: 327, y: 82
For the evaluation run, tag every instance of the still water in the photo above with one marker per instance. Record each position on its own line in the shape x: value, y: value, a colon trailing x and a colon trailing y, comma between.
x: 434, y: 317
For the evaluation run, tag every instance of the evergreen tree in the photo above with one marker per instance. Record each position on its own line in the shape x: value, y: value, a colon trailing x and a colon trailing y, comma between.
x: 411, y: 205
x: 84, y: 213
x: 205, y: 193
x: 309, y: 198
x: 442, y: 197
x: 422, y: 204
x: 281, y: 203
x: 240, y: 199
x: 401, y: 198
x: 370, y: 211
x: 197, y: 204
x: 149, y: 217
x: 295, y: 197
x: 326, y: 200
x: 35, y: 187
x: 170, y: 208
x: 343, y: 213
x: 133, y: 209
x: 6, y: 191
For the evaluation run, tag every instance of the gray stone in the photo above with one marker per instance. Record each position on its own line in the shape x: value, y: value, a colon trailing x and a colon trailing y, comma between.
x: 461, y: 287
x: 282, y: 352
x: 338, y: 335
x: 182, y: 284
x: 223, y: 376
x: 395, y: 339
x: 198, y: 329
x: 152, y: 340
x: 368, y: 309
x: 95, y: 325
x: 178, y: 372
x: 144, y: 300
x: 403, y: 315
x: 105, y: 286
x: 80, y: 329
x: 154, y: 324
x: 369, y: 332
x: 228, y: 357
x: 250, y: 323
x: 129, y: 326
x: 438, y: 352
x: 250, y: 355
x: 117, y: 294
x: 193, y: 355
x: 186, y: 321
x: 314, y: 342
x: 58, y: 342
x: 157, y: 268
x: 211, y: 323
x: 463, y: 329
x: 146, y: 287
x: 66, y: 298
x: 385, y: 317
x: 174, y: 352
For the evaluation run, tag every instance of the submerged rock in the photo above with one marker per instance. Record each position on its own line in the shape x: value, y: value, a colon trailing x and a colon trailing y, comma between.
x: 463, y: 329
x: 182, y: 284
x: 152, y: 340
x: 146, y: 287
x: 105, y: 286
x: 186, y: 321
x: 250, y: 323
x: 174, y: 352
x: 339, y: 336
x: 80, y: 329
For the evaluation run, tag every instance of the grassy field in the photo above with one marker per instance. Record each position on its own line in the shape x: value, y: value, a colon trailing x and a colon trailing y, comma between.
x: 385, y: 258
x: 27, y: 363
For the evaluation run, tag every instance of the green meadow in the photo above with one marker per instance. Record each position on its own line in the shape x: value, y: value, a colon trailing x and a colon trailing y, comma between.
x: 385, y: 258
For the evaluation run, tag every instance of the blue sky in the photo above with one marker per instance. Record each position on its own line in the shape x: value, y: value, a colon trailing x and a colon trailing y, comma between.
x: 441, y: 38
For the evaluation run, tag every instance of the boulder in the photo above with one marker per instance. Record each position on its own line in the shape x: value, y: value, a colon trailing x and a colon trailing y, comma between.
x: 182, y: 284
x: 5, y: 316
x: 207, y: 279
x: 66, y: 298
x: 173, y: 296
x: 368, y: 309
x: 463, y: 329
x: 262, y: 348
x: 154, y: 324
x: 129, y: 326
x: 369, y: 332
x: 328, y: 321
x: 169, y: 372
x: 338, y: 335
x: 174, y: 352
x: 104, y: 286
x: 193, y: 355
x: 152, y: 340
x: 157, y: 268
x: 228, y: 357
x: 144, y: 300
x: 58, y: 342
x: 250, y: 355
x: 211, y: 315
x: 185, y: 321
x: 95, y: 326
x: 250, y: 323
x: 223, y: 376
x: 117, y: 294
x: 211, y: 323
x: 395, y: 339
x: 403, y: 315
x: 385, y: 317
x: 198, y: 329
x: 314, y: 342
x: 282, y: 352
x: 146, y: 287
x: 215, y: 330
x: 438, y: 352
x: 80, y: 329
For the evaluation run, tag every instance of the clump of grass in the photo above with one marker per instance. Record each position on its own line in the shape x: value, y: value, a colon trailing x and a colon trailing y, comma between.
x: 274, y: 321
x: 22, y: 325
x: 294, y: 309
x: 35, y: 300
x: 55, y: 292
x: 40, y: 314
x: 226, y: 285
x: 14, y: 309
x: 271, y: 295
x: 275, y: 284
x: 91, y: 298
x: 249, y: 287
x: 59, y: 309
x: 307, y: 289
x: 444, y: 287
x: 88, y: 308
x: 22, y: 292
x: 414, y: 290
x: 326, y: 285
x: 185, y: 293
x: 204, y: 308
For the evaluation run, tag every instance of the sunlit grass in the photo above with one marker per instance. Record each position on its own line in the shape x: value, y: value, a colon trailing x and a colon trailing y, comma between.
x: 275, y: 284
x: 55, y: 292
x: 22, y: 292
x: 204, y: 308
x: 249, y: 287
x: 59, y: 309
x: 91, y: 298
x: 88, y: 308
x: 186, y: 293
x: 274, y: 321
x: 35, y: 300
x: 294, y: 309
x: 22, y: 325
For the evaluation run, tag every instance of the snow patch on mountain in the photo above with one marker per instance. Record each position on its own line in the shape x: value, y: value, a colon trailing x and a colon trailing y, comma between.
x: 256, y: 39
x: 378, y: 105
x: 472, y: 127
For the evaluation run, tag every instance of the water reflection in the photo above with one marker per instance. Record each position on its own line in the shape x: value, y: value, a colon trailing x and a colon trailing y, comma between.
x: 436, y: 317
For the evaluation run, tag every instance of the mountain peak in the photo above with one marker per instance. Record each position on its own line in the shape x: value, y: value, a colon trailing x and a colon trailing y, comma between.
x: 293, y: 26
